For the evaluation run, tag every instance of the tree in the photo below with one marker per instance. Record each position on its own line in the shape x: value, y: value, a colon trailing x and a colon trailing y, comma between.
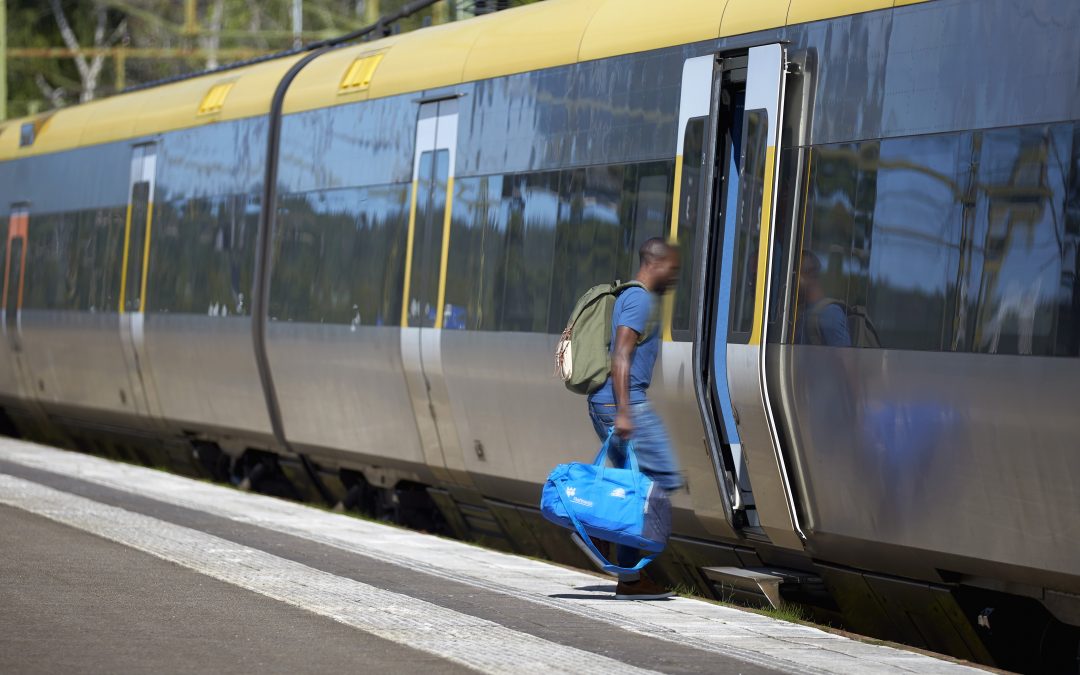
x: 89, y: 71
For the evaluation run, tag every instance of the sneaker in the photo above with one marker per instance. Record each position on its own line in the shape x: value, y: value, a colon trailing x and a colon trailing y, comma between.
x: 642, y: 589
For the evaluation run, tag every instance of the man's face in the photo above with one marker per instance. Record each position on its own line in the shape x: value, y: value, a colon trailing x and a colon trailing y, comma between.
x: 668, y: 271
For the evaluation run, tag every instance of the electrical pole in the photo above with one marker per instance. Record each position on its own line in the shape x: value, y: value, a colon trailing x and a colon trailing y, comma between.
x: 3, y: 59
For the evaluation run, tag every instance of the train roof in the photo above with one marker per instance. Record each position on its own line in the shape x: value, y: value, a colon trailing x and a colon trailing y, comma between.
x: 541, y: 35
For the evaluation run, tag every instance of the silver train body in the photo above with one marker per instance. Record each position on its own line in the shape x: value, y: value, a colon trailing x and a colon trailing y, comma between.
x: 925, y: 489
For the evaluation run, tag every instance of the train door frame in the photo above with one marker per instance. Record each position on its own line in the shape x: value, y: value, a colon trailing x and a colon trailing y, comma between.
x: 743, y: 431
x: 18, y: 230
x: 138, y: 227
x: 422, y: 318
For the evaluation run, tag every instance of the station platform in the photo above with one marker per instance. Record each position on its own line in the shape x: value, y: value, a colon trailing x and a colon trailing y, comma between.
x: 108, y: 567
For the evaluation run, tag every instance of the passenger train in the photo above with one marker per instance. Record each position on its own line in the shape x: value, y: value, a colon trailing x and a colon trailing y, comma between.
x: 342, y: 273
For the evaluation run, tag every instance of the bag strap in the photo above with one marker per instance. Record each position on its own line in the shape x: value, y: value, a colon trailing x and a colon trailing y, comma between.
x: 631, y: 458
x: 607, y: 565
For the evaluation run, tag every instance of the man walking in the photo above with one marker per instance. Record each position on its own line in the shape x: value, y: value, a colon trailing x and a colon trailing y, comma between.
x: 622, y: 402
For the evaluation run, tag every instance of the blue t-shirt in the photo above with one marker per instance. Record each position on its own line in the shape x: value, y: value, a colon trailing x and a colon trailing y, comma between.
x: 633, y: 308
x: 828, y: 326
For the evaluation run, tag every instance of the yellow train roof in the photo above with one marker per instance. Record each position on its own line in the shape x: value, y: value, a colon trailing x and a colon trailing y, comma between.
x: 541, y: 35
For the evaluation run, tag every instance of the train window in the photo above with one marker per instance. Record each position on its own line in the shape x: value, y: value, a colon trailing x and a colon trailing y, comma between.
x: 1068, y: 336
x: 693, y: 171
x: 523, y: 247
x: 748, y: 229
x: 913, y: 201
x: 477, y: 240
x: 530, y: 206
x: 201, y: 261
x: 339, y: 256
x: 427, y: 237
x: 1022, y: 254
x: 955, y: 242
x: 102, y: 238
x: 140, y: 205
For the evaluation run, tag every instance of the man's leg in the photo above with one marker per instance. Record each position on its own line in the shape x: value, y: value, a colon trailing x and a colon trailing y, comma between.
x: 652, y: 447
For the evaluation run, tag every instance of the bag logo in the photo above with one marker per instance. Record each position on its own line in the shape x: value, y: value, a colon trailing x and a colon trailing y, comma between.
x: 571, y: 491
x: 618, y: 492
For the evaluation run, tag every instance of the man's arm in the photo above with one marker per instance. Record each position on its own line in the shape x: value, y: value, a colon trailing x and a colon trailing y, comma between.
x: 625, y: 343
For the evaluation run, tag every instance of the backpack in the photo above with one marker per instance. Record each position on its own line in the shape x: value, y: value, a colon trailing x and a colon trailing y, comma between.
x: 860, y: 328
x: 583, y: 356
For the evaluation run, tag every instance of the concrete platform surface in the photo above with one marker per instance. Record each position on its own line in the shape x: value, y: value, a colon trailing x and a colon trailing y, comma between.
x: 107, y: 567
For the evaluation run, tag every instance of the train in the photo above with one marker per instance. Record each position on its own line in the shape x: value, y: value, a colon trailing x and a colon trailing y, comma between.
x: 341, y: 274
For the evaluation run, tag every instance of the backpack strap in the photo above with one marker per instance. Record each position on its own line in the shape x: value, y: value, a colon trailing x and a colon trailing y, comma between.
x: 813, y: 318
x: 654, y: 309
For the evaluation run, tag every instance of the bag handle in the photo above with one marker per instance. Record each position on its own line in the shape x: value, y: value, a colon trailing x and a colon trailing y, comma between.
x: 608, y: 566
x: 631, y: 458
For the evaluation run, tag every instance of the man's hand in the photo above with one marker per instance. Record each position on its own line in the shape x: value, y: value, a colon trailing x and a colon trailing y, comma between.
x: 624, y: 425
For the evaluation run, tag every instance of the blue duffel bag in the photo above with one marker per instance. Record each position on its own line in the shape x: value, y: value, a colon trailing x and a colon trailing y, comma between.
x: 620, y: 505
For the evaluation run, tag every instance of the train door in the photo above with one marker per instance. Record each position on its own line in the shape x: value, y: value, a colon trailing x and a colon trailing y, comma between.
x: 133, y: 273
x: 425, y: 286
x: 14, y: 274
x: 747, y: 103
x: 14, y: 285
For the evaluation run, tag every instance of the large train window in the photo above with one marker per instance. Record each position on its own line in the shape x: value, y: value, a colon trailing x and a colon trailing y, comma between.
x: 948, y: 242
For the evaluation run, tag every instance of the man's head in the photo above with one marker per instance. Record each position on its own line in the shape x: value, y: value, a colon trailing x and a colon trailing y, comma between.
x: 809, y: 277
x: 659, y: 268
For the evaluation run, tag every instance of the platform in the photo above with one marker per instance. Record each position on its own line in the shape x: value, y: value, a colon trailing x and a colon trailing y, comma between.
x: 108, y: 567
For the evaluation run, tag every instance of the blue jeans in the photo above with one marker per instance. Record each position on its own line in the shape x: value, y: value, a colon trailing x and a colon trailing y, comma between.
x: 654, y: 453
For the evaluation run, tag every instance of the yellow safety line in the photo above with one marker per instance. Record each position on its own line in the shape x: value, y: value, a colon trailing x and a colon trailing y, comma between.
x: 124, y: 258
x: 146, y: 255
x: 408, y: 258
x: 445, y: 252
x: 763, y: 247
x: 669, y: 298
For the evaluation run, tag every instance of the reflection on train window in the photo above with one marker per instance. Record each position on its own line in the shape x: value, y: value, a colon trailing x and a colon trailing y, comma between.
x: 523, y: 247
x: 748, y: 233
x: 913, y: 203
x: 1021, y: 259
x: 202, y: 256
x: 339, y: 256
x: 427, y: 237
x: 73, y: 260
x: 689, y: 205
x: 957, y: 242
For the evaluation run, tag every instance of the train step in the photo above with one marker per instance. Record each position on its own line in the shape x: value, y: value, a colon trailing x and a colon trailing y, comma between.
x: 756, y: 584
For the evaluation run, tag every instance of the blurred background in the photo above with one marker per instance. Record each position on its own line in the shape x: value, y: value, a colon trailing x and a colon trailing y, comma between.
x: 55, y: 53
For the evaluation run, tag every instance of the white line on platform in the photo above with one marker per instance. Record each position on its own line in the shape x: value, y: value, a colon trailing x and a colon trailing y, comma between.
x: 473, y: 642
x: 701, y: 625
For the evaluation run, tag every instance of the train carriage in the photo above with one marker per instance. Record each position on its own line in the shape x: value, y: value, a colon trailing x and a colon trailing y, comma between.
x: 352, y: 265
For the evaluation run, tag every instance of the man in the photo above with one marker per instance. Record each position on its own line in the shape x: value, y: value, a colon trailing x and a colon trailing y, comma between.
x: 821, y: 320
x: 622, y: 403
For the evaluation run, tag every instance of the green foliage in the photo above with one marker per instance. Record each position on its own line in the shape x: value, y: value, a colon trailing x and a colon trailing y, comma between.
x: 224, y: 31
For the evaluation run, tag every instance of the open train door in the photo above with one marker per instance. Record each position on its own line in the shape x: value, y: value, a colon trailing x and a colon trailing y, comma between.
x: 748, y: 102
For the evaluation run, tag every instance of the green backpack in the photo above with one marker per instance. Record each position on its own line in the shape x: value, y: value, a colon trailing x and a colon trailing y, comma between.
x: 583, y: 357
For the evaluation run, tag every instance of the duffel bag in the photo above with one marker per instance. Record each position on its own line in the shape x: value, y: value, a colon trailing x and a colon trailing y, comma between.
x: 616, y: 504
